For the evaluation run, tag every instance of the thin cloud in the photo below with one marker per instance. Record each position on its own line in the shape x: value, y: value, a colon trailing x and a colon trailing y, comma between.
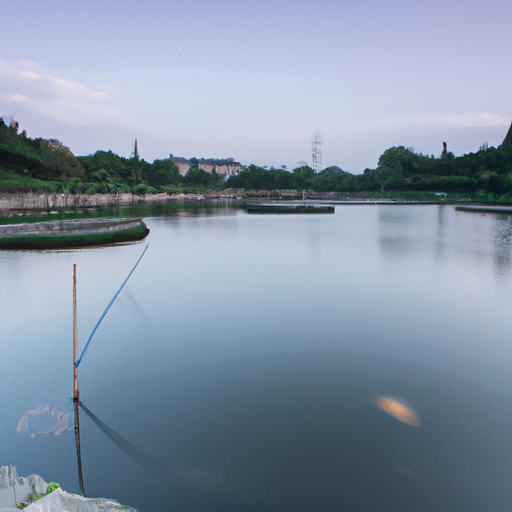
x: 28, y: 92
x: 17, y: 75
x: 65, y: 112
x: 479, y: 120
x: 17, y: 98
x: 465, y: 120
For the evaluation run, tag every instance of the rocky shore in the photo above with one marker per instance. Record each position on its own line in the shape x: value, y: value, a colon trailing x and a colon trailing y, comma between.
x: 34, y: 495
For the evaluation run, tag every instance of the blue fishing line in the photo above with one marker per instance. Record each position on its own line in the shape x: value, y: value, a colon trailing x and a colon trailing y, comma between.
x: 107, y: 308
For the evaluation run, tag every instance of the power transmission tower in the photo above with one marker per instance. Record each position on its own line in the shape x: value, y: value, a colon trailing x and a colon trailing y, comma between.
x: 316, y: 152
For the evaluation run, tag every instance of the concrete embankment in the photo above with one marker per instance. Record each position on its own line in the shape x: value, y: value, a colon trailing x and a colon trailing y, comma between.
x: 20, y: 201
x: 48, y: 201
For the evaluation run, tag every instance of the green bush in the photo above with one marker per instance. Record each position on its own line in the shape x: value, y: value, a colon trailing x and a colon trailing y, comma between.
x: 11, y: 182
x: 142, y: 190
x: 73, y: 186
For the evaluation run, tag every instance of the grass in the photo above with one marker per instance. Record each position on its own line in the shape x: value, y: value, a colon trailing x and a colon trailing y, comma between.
x: 13, y: 182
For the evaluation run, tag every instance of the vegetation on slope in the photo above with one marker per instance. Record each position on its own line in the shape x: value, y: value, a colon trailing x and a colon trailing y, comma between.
x: 48, y: 165
x: 488, y: 171
x: 44, y: 165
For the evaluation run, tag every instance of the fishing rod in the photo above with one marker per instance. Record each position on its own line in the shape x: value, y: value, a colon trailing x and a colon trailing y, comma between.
x: 77, y: 361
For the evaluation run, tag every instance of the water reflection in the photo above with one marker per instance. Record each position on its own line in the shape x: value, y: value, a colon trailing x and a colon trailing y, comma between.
x: 44, y: 420
x: 248, y: 355
x: 181, y: 209
x: 487, y: 239
x: 124, y: 444
x: 398, y: 233
x: 395, y: 214
x: 441, y: 232
x: 76, y: 407
x: 171, y: 208
x: 501, y: 239
x: 189, y: 478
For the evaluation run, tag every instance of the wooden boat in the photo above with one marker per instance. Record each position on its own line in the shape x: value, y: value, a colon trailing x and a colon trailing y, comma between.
x: 63, y: 234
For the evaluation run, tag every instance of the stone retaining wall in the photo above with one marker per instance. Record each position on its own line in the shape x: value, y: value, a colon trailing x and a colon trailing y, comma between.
x: 46, y: 201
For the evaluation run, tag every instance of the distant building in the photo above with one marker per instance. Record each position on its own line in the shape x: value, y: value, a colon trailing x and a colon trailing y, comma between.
x: 223, y: 167
x: 182, y: 163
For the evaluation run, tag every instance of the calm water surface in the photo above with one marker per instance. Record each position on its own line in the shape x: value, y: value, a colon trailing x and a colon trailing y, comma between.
x: 241, y: 364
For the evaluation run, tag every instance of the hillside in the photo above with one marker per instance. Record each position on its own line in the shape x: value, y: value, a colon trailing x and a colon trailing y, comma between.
x: 489, y: 170
x: 48, y: 165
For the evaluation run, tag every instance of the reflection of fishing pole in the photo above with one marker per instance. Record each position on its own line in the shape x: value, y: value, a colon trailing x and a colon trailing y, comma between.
x: 78, y: 451
x: 123, y: 444
x: 77, y: 361
x: 76, y: 394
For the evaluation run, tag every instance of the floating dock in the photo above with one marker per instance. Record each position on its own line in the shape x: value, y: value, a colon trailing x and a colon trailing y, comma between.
x: 63, y: 234
x: 289, y: 208
x: 486, y: 209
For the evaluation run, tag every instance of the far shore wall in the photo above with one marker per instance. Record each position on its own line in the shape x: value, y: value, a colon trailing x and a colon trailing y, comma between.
x: 48, y: 201
x: 45, y: 201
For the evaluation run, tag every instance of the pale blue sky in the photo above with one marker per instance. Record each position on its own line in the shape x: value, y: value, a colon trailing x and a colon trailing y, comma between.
x: 254, y: 80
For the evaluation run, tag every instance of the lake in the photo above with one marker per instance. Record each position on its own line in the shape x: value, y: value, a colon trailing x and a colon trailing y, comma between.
x: 242, y: 365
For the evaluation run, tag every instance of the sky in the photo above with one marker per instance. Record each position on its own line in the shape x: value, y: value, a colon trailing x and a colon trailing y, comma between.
x: 255, y: 79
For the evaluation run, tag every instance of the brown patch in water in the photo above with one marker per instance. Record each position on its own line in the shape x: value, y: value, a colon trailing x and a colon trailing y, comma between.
x: 398, y: 410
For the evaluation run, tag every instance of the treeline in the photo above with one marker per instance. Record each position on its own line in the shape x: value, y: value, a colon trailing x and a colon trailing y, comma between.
x: 47, y: 165
x: 399, y: 169
x: 42, y: 164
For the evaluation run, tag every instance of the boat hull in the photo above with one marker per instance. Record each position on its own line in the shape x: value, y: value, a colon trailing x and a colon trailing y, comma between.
x: 71, y: 233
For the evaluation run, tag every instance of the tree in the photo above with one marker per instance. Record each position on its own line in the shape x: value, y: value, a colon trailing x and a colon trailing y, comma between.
x: 135, y: 164
x: 196, y: 176
x: 61, y: 159
x: 163, y: 172
x: 115, y: 165
x: 329, y: 173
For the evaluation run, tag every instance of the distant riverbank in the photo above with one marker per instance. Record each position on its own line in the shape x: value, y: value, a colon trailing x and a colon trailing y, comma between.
x: 22, y: 201
x: 45, y: 201
x: 49, y: 201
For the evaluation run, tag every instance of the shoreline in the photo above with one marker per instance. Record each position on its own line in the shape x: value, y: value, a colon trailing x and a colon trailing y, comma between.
x: 22, y: 202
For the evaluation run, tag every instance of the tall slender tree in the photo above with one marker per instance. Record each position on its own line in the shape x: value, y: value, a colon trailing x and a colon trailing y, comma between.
x: 135, y: 164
